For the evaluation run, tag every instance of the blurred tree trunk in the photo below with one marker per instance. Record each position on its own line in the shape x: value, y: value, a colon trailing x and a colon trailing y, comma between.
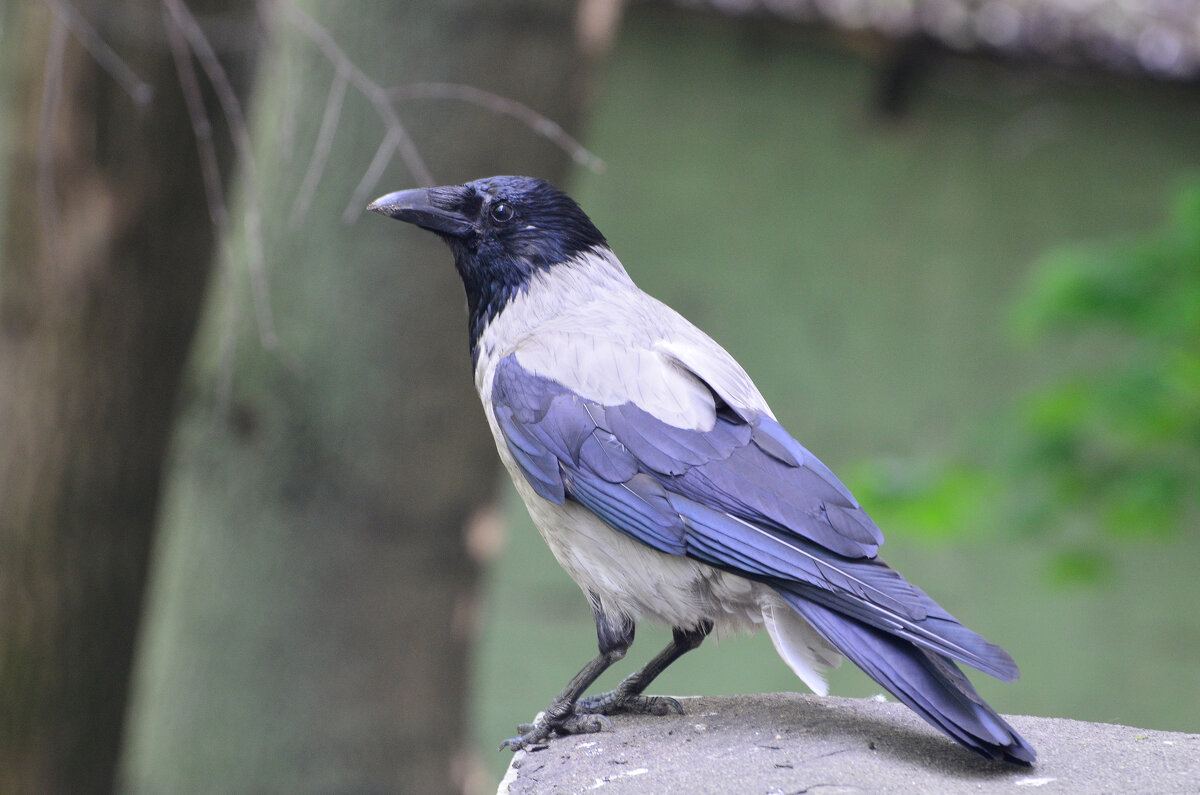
x: 313, y: 602
x: 107, y: 247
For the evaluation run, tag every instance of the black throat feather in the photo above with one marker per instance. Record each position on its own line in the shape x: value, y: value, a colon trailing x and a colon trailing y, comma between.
x: 496, y: 268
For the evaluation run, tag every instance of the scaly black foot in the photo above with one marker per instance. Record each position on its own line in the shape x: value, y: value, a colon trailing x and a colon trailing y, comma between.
x: 620, y: 700
x: 535, y: 736
x: 568, y: 713
x: 588, y: 717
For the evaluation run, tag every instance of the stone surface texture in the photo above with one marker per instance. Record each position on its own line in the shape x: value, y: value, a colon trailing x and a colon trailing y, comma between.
x: 780, y: 743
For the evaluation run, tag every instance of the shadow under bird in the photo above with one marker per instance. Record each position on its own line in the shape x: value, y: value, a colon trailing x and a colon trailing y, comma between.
x: 665, y: 487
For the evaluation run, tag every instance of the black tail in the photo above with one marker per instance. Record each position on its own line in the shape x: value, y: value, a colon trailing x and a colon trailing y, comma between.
x: 928, y: 682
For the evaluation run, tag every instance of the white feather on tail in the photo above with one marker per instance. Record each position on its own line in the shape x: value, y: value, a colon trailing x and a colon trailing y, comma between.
x: 808, y: 654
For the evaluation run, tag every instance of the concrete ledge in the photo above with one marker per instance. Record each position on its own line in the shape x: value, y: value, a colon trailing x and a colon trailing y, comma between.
x: 792, y: 743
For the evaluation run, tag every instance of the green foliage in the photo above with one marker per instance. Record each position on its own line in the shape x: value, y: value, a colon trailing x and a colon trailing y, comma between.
x: 1079, y: 564
x: 927, y: 499
x: 1108, y: 449
x: 1119, y: 442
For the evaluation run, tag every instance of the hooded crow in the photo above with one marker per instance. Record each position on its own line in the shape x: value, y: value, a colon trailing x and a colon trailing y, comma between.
x: 663, y: 484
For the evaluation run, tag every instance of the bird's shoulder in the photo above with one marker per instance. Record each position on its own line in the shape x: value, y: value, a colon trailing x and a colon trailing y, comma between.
x: 628, y: 347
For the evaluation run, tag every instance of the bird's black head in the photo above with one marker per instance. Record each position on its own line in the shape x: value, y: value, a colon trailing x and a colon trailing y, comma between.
x: 502, y: 230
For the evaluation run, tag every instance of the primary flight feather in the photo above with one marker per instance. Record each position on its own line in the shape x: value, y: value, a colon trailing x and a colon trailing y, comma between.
x: 660, y: 479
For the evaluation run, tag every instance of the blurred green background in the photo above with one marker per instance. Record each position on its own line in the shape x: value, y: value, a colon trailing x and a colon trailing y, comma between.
x: 866, y: 272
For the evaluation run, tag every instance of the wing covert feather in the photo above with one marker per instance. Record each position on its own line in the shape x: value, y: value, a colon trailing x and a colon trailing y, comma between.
x: 770, y: 500
x: 767, y: 510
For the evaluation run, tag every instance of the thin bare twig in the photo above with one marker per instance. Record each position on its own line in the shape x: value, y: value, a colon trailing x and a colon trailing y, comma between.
x: 200, y: 46
x: 230, y: 307
x: 141, y: 92
x: 52, y: 83
x: 320, y: 155
x: 387, y: 147
x: 505, y: 106
x: 397, y: 139
x: 214, y: 193
x: 292, y: 91
x: 189, y: 85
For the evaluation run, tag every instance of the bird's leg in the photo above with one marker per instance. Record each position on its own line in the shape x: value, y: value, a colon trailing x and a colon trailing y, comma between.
x: 615, y: 636
x: 627, y: 696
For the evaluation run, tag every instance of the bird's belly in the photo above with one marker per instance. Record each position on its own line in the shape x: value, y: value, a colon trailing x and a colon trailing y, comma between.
x: 638, y: 581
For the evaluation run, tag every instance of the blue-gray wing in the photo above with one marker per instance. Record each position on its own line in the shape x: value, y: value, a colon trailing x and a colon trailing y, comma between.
x: 743, y: 496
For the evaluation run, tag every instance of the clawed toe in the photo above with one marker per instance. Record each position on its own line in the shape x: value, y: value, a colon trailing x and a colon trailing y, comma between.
x: 585, y: 723
x: 653, y: 705
x: 586, y: 716
x: 614, y: 702
x: 523, y: 742
x: 535, y: 736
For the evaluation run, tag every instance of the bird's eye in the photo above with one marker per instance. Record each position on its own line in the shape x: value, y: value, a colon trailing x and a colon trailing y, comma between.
x: 501, y: 212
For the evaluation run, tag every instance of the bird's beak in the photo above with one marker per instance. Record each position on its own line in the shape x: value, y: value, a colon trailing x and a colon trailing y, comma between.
x: 435, y: 209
